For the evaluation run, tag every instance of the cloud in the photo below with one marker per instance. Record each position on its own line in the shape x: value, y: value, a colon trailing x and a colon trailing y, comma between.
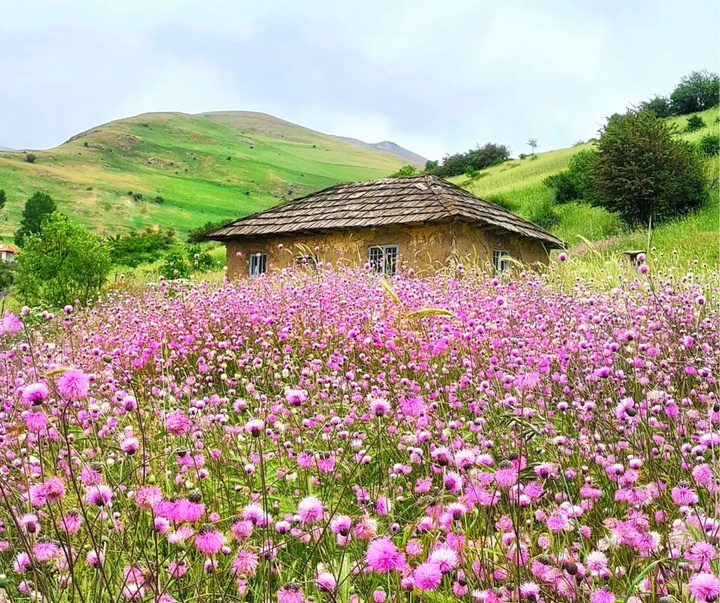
x: 434, y: 77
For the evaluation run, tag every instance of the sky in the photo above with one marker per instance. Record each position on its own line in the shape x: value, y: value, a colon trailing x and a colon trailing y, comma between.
x: 434, y: 76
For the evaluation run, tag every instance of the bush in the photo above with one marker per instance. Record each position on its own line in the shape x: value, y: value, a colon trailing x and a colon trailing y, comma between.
x: 405, y: 172
x: 36, y: 209
x: 3, y: 198
x: 543, y: 214
x: 62, y: 263
x: 709, y: 145
x: 695, y: 123
x: 197, y: 235
x: 184, y: 261
x: 659, y: 105
x: 696, y: 92
x: 643, y: 172
x: 574, y: 183
x: 30, y: 157
x: 475, y: 159
x: 140, y: 248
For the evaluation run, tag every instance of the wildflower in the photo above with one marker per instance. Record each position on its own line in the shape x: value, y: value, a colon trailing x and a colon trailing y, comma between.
x: 427, y: 576
x: 35, y: 394
x: 209, y: 541
x: 245, y: 563
x: 45, y: 551
x: 602, y: 595
x: 683, y: 495
x: 445, y: 558
x: 73, y: 384
x: 326, y: 581
x: 310, y: 509
x: 383, y: 556
x: 296, y: 397
x: 11, y: 324
x: 177, y: 423
x: 290, y: 593
x: 95, y: 558
x: 705, y: 587
x: 98, y: 495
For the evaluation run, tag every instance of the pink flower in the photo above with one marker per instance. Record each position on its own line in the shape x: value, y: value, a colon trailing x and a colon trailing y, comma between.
x: 427, y: 576
x: 245, y: 563
x: 326, y: 581
x: 705, y: 587
x: 445, y: 558
x: 310, y: 509
x: 45, y: 551
x: 35, y: 394
x: 98, y: 495
x: 73, y: 384
x: 383, y: 556
x: 177, y: 423
x: 54, y: 489
x: 290, y: 593
x: 35, y: 421
x: 209, y: 541
x: 683, y: 495
x: 602, y: 595
x: 11, y: 324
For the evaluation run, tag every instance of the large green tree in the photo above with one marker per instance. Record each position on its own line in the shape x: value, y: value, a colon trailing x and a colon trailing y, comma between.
x: 62, y: 263
x: 644, y: 172
x: 36, y: 208
x: 3, y: 198
x: 696, y: 92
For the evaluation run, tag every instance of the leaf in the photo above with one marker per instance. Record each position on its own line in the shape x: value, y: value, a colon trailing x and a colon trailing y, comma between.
x: 385, y: 285
x: 430, y: 312
x: 645, y: 572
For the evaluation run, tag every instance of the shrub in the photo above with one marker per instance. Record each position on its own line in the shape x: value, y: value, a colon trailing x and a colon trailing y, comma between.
x: 695, y: 123
x: 30, y: 157
x: 405, y: 172
x: 138, y: 248
x: 643, y: 172
x: 659, y: 105
x: 574, y: 183
x: 3, y: 198
x: 185, y: 261
x: 36, y: 209
x: 709, y: 145
x: 61, y: 263
x: 543, y: 214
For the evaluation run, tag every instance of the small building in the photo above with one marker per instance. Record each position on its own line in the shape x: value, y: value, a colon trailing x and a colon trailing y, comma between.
x: 8, y: 252
x: 421, y: 222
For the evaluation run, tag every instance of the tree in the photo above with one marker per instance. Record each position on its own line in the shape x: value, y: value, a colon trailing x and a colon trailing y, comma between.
x: 532, y: 143
x: 695, y: 123
x: 659, y: 105
x: 432, y: 167
x: 61, y: 263
x: 644, y: 172
x: 36, y: 208
x: 696, y: 92
x: 3, y: 198
x: 405, y: 172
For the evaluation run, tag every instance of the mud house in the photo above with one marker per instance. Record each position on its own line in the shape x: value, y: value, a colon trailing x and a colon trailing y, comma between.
x: 8, y: 253
x: 420, y: 222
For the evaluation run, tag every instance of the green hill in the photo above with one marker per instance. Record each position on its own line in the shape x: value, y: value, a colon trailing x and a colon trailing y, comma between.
x: 189, y: 169
x: 517, y: 184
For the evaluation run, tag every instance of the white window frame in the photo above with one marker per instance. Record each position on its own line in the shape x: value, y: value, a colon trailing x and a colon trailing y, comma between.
x: 257, y: 264
x: 500, y: 265
x: 383, y: 258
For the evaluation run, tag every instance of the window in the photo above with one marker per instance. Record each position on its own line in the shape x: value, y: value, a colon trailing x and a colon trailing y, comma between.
x: 500, y: 260
x: 258, y: 264
x: 383, y: 258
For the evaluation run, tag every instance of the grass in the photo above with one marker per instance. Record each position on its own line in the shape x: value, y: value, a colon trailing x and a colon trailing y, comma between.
x: 210, y: 167
x: 517, y: 185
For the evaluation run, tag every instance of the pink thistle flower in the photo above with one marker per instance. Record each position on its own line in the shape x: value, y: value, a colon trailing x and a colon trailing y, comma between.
x: 310, y: 509
x: 445, y: 558
x: 98, y: 495
x: 506, y: 477
x: 11, y: 324
x: 54, y: 489
x: 35, y: 421
x: 341, y: 524
x: 177, y: 423
x: 30, y: 523
x: 73, y: 384
x: 296, y: 397
x: 36, y: 494
x: 326, y: 581
x: 148, y: 497
x: 95, y: 558
x: 383, y: 556
x: 602, y: 595
x: 683, y: 495
x: 45, y: 551
x: 209, y: 541
x: 21, y: 563
x: 705, y: 587
x: 245, y: 563
x: 35, y: 394
x: 290, y: 593
x: 427, y: 576
x: 72, y: 521
x: 242, y: 530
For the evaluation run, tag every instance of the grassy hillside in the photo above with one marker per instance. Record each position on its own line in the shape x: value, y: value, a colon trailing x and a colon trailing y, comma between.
x: 517, y: 184
x: 205, y: 167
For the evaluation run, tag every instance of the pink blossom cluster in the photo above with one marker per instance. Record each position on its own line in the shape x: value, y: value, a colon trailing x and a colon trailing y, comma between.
x: 310, y: 437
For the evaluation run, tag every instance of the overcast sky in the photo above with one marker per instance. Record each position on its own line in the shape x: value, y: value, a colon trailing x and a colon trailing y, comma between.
x: 435, y: 76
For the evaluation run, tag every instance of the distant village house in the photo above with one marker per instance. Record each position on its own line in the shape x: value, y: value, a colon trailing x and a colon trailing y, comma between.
x: 421, y: 221
x: 8, y: 253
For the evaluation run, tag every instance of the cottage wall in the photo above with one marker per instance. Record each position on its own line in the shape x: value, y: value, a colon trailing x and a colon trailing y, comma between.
x: 422, y: 247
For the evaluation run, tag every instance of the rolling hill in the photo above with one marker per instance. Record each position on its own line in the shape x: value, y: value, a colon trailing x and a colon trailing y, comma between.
x: 180, y: 171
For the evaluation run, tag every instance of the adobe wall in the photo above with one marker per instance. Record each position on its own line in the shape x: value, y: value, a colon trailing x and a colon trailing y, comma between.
x: 420, y: 247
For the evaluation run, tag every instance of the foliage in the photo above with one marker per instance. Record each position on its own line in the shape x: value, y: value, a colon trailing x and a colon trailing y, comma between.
x: 3, y: 198
x: 197, y: 235
x: 314, y: 434
x: 140, y: 247
x: 62, y: 263
x: 532, y: 143
x: 709, y: 145
x: 30, y: 157
x: 36, y: 209
x: 7, y: 274
x: 405, y: 172
x: 644, y: 172
x: 659, y: 105
x: 574, y: 183
x: 473, y: 160
x: 695, y: 123
x: 184, y: 261
x: 696, y: 92
x: 543, y: 214
x: 431, y: 166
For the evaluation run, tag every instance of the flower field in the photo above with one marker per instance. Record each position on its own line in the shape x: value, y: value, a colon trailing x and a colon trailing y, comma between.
x: 328, y: 437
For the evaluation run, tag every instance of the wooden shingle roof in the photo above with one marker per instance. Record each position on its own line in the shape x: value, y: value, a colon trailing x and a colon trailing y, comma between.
x: 385, y: 202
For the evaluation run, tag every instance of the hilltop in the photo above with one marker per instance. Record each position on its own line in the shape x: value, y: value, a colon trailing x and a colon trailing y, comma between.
x: 179, y: 171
